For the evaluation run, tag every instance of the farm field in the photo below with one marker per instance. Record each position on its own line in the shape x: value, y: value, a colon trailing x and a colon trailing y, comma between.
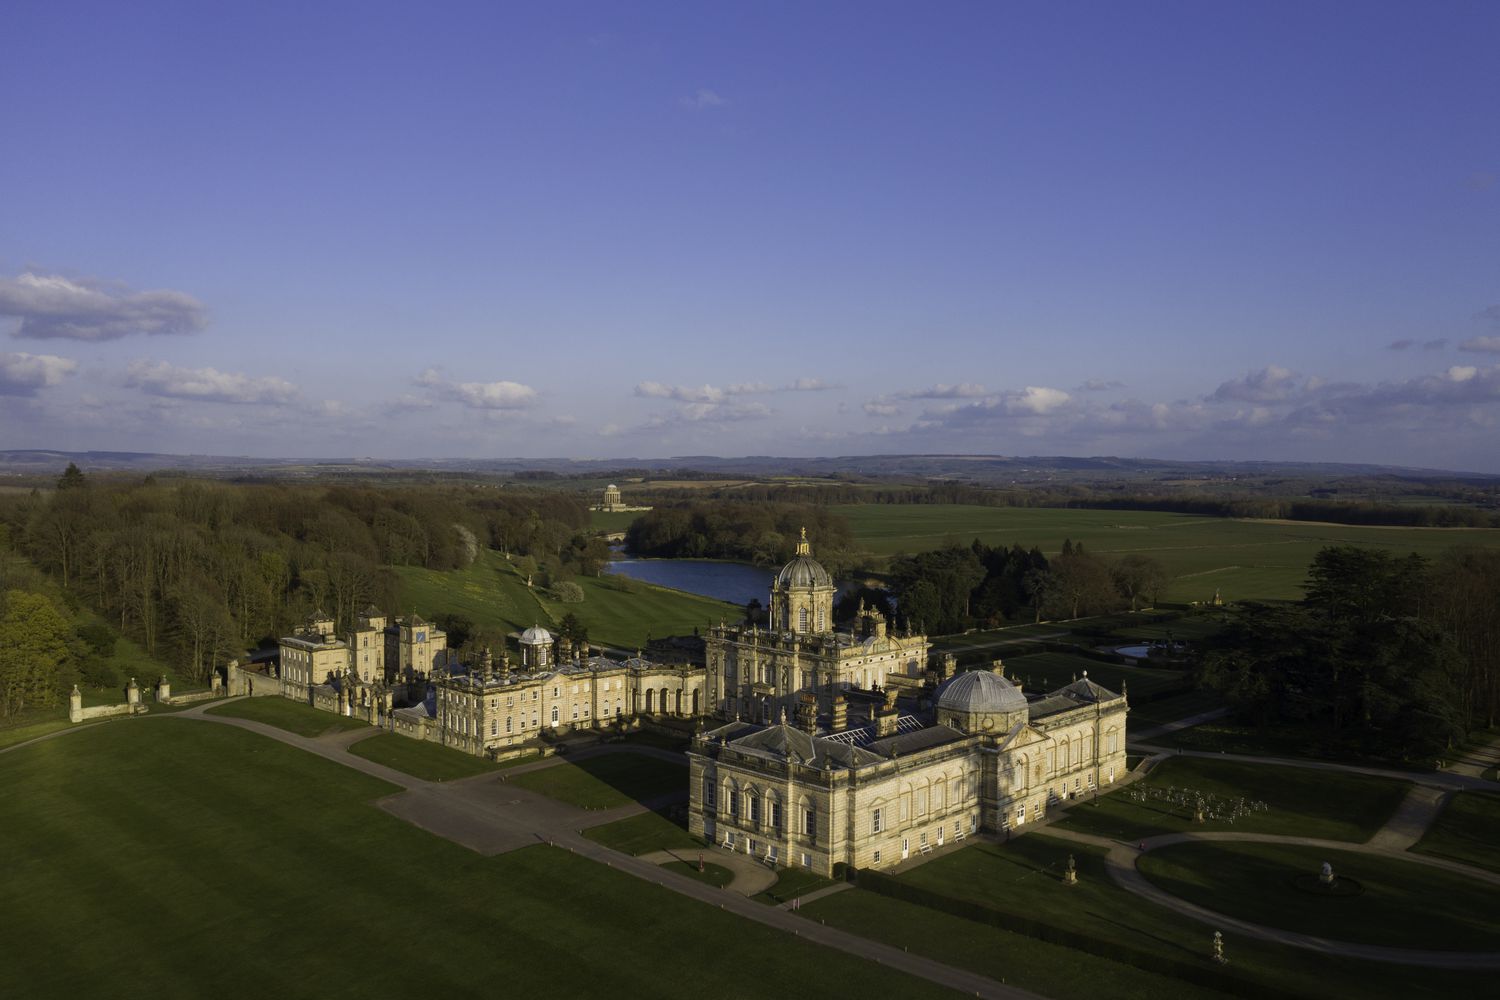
x: 188, y: 852
x: 1242, y: 559
x: 617, y: 612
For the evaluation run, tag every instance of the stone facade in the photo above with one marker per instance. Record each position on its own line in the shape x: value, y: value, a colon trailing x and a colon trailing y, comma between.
x: 873, y: 795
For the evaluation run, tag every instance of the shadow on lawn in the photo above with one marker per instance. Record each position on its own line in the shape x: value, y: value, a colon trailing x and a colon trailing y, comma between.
x: 654, y: 783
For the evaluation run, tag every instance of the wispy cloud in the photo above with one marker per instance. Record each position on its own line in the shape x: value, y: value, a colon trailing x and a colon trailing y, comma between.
x: 159, y: 378
x: 50, y: 306
x: 703, y: 99
x: 1101, y: 385
x: 1401, y: 345
x: 1483, y: 345
x: 1270, y: 384
x: 499, y: 395
x: 23, y: 374
x: 810, y: 385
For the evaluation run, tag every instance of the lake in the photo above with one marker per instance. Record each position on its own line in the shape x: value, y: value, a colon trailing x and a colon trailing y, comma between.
x: 734, y: 582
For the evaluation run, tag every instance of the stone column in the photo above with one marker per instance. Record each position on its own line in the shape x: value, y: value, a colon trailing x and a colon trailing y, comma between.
x: 164, y: 690
x: 75, y: 705
x: 132, y: 695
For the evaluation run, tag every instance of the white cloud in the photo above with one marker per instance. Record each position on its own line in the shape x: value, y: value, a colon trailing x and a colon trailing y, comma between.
x: 698, y: 393
x: 500, y: 395
x: 1481, y: 345
x: 1101, y: 385
x: 702, y: 100
x: 50, y: 306
x: 810, y: 385
x: 1271, y: 384
x: 159, y: 378
x: 878, y: 409
x: 23, y: 374
x: 1036, y: 399
x: 495, y: 395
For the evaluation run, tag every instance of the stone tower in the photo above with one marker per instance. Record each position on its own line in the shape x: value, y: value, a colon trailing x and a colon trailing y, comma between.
x: 802, y: 596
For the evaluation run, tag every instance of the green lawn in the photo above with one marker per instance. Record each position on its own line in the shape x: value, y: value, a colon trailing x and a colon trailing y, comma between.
x: 1403, y: 905
x: 791, y: 883
x: 608, y: 780
x: 1169, y: 709
x: 1308, y: 803
x: 1049, y: 969
x: 715, y: 875
x: 1467, y: 830
x: 617, y: 611
x: 1024, y: 878
x: 611, y: 522
x: 30, y: 730
x: 1226, y: 735
x: 428, y: 761
x: 1049, y: 671
x: 183, y: 859
x: 643, y: 834
x: 293, y: 716
x: 1240, y: 558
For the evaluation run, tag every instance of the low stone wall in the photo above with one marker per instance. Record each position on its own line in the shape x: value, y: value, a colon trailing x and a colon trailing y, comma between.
x: 104, y: 711
x: 193, y: 698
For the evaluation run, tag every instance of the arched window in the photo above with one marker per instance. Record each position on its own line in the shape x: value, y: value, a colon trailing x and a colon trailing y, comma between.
x: 802, y: 620
x: 821, y: 625
x: 554, y: 715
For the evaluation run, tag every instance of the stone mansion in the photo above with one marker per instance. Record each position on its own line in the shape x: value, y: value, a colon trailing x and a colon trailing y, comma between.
x: 814, y: 746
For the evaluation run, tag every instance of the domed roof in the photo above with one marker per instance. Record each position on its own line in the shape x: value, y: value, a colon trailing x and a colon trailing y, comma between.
x: 980, y: 691
x: 803, y: 570
x: 535, y: 634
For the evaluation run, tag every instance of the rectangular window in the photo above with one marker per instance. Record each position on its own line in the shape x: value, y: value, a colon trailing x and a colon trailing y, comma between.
x: 806, y: 860
x: 507, y: 723
x: 875, y: 858
x: 734, y: 805
x: 754, y: 808
x: 776, y: 816
x: 810, y: 823
x: 708, y: 793
x: 876, y: 822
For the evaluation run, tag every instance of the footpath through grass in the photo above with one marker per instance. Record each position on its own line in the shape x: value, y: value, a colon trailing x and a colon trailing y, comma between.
x: 1303, y: 802
x: 188, y: 860
x: 293, y: 716
x: 607, y: 780
x: 1051, y: 970
x: 1402, y: 905
x: 429, y: 761
x: 1023, y: 879
x: 1467, y: 831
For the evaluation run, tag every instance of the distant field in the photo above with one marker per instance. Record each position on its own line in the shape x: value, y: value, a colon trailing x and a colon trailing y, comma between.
x: 616, y: 611
x: 1240, y: 558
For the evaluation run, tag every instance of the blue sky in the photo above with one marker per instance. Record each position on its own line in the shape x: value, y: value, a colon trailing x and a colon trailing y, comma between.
x: 1178, y: 230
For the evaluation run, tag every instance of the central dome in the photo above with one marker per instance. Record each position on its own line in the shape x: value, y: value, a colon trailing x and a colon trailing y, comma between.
x: 980, y: 691
x: 803, y: 570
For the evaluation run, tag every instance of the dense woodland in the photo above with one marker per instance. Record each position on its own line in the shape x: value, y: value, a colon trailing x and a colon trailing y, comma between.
x: 1386, y: 655
x: 764, y: 534
x: 197, y: 572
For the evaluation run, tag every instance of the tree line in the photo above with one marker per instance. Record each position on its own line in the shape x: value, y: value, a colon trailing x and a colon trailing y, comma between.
x: 964, y: 586
x: 765, y: 534
x: 198, y: 572
x: 1385, y: 655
